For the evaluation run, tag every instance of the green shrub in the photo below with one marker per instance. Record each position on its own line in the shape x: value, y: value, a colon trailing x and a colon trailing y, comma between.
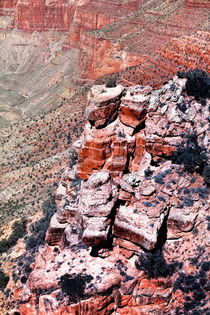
x: 198, y: 83
x: 40, y: 227
x: 3, y: 280
x: 154, y: 265
x: 18, y: 231
x: 111, y: 82
x: 195, y: 288
x: 190, y: 154
x: 73, y: 285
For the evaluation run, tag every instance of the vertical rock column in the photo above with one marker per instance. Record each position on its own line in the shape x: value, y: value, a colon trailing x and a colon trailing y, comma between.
x: 66, y: 224
x: 99, y: 133
x: 98, y: 197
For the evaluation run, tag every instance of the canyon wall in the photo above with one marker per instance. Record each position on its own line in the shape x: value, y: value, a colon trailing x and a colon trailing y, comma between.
x: 184, y: 52
x: 39, y: 15
x: 141, y: 37
x: 113, y: 36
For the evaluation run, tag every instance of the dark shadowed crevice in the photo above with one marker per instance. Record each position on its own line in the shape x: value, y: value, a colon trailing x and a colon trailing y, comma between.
x: 112, y: 216
x: 140, y: 127
x: 153, y: 262
x: 108, y: 244
x: 126, y: 169
x: 156, y: 162
x: 162, y: 234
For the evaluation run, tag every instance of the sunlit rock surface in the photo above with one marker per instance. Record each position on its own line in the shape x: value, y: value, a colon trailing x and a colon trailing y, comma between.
x: 131, y: 230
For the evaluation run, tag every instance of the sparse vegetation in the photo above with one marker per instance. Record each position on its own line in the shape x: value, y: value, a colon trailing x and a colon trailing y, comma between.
x: 154, y: 265
x: 73, y: 285
x: 38, y: 161
x: 73, y: 156
x: 190, y: 154
x: 39, y: 228
x: 111, y: 82
x: 198, y: 83
x: 159, y: 178
x: 195, y: 288
x: 3, y: 280
x: 18, y: 231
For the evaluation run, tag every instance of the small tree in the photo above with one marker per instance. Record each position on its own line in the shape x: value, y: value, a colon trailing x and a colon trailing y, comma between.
x: 198, y: 83
x: 206, y: 174
x: 190, y: 154
x: 73, y: 285
x: 3, y: 280
x: 111, y: 82
x: 154, y: 265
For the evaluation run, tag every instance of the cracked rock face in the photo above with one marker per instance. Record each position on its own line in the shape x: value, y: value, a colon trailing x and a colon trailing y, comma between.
x: 131, y: 224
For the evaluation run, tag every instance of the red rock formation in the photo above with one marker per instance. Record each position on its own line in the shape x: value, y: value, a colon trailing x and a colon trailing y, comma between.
x: 199, y: 4
x: 87, y: 17
x: 113, y: 35
x: 8, y: 4
x: 126, y: 215
x: 139, y: 39
x: 169, y: 60
x: 41, y: 15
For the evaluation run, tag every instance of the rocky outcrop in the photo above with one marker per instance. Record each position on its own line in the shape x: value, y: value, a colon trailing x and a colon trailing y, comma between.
x: 130, y: 230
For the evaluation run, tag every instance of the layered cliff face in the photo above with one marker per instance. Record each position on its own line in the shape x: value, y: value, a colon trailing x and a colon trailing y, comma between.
x: 113, y: 35
x: 139, y: 37
x: 181, y: 53
x: 39, y: 15
x: 70, y: 43
x: 130, y: 231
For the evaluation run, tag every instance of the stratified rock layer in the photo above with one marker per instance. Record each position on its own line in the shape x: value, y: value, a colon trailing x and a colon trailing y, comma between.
x: 145, y: 40
x: 130, y: 232
x: 139, y: 40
